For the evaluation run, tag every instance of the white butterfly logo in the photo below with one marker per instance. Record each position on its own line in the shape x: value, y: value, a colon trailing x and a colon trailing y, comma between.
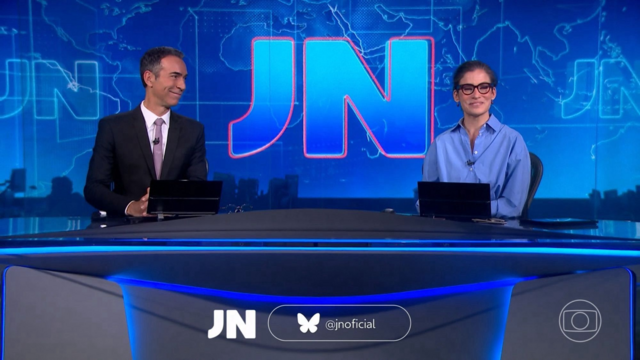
x: 309, y: 325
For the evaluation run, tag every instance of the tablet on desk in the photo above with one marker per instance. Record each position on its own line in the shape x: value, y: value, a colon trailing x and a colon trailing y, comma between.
x: 175, y: 197
x: 458, y: 201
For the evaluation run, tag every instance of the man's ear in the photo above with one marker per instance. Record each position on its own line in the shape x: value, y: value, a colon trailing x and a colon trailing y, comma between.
x: 456, y: 98
x: 149, y: 78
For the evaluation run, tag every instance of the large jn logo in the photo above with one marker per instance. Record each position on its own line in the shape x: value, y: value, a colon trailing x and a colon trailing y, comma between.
x: 53, y: 91
x: 49, y: 86
x: 397, y: 118
x: 616, y: 83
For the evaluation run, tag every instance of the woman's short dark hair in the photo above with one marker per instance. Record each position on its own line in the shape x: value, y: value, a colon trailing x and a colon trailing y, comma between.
x: 151, y: 60
x: 472, y: 65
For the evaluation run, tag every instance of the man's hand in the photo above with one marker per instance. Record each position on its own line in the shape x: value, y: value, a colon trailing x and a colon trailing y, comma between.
x: 139, y: 208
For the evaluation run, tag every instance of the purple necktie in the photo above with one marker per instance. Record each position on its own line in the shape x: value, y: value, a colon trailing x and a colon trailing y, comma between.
x: 157, y: 147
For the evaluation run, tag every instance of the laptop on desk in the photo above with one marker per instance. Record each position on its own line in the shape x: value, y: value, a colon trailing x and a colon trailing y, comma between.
x: 458, y: 201
x: 176, y: 197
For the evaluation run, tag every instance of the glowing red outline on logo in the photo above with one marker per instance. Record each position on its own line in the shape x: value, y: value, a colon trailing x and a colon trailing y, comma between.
x: 293, y: 92
x: 348, y: 99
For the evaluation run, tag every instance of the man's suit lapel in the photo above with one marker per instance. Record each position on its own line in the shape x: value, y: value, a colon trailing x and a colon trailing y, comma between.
x: 140, y: 128
x: 172, y: 144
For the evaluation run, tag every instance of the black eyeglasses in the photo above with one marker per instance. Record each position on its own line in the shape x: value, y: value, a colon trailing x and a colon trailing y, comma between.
x: 468, y: 89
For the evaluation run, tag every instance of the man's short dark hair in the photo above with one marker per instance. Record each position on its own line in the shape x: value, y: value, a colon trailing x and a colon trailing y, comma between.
x: 472, y: 65
x: 151, y: 60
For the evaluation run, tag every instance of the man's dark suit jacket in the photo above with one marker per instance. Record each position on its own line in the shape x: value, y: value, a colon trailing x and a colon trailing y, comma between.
x: 121, y: 167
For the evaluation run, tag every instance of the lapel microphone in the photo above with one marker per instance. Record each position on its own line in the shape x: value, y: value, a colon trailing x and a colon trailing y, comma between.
x: 156, y: 141
x: 470, y: 163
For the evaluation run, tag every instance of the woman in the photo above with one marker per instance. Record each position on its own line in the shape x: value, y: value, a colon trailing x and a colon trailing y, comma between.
x: 480, y: 149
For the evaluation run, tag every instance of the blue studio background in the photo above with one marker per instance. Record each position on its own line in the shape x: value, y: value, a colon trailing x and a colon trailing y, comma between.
x: 569, y: 82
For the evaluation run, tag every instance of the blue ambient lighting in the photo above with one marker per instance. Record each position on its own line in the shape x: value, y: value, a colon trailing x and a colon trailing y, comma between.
x: 506, y: 284
x: 498, y: 250
x: 448, y: 290
x: 497, y: 352
x: 632, y: 285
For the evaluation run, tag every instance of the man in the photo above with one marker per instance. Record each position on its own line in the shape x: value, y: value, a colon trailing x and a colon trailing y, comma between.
x: 147, y: 143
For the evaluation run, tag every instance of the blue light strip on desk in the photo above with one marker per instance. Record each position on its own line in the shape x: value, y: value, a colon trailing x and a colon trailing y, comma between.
x: 497, y: 250
x: 358, y: 299
x: 128, y: 314
x: 632, y: 303
x: 331, y: 241
x: 497, y: 352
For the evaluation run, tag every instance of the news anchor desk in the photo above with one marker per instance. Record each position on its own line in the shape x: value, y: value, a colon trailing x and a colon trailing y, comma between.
x: 316, y: 284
